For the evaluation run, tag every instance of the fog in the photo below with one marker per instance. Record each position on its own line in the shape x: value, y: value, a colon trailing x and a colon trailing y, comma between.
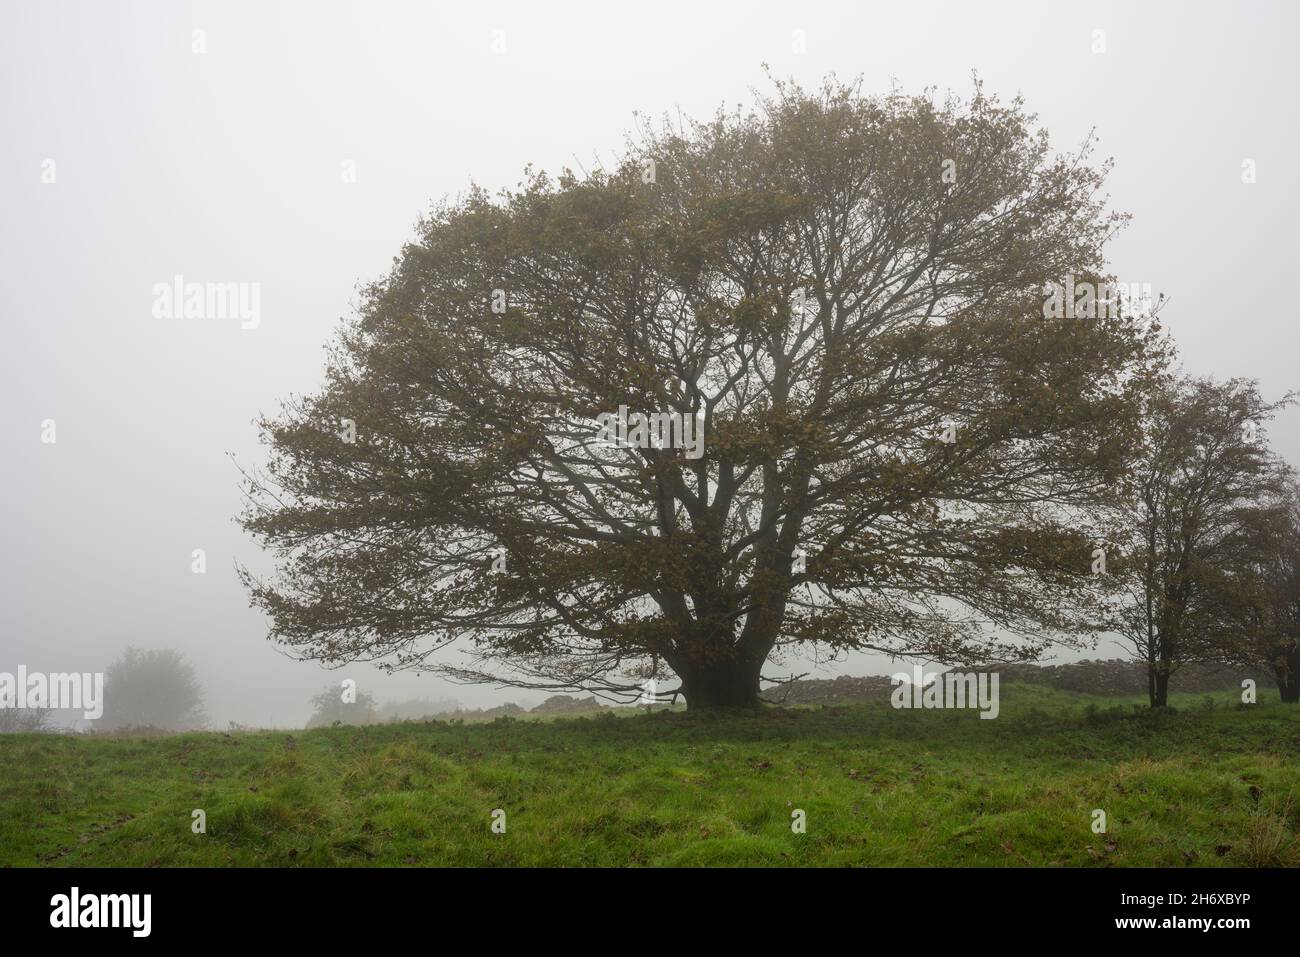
x: 297, y: 147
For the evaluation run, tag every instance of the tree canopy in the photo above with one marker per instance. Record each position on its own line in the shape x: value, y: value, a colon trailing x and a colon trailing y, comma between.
x: 902, y: 449
x: 152, y: 688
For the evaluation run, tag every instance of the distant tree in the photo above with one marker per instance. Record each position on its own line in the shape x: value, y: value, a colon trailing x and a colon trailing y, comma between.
x: 1273, y: 620
x: 1203, y: 480
x: 331, y: 707
x: 415, y: 709
x: 152, y: 688
x: 842, y: 296
x: 18, y: 720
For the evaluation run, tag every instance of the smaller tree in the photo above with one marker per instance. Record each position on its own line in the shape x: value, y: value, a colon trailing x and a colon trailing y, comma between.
x: 1199, y: 487
x: 152, y: 688
x: 19, y: 720
x: 1273, y: 622
x: 332, y: 706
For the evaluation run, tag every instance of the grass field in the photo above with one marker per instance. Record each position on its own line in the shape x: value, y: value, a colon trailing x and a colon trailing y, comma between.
x: 1208, y: 783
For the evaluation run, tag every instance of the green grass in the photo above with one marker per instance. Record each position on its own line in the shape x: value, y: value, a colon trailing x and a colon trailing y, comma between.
x: 1207, y: 783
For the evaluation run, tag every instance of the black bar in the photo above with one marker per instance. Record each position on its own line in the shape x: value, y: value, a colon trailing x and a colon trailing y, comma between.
x: 365, y: 906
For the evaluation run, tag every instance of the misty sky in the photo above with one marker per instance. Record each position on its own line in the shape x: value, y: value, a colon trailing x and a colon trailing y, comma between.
x: 229, y: 166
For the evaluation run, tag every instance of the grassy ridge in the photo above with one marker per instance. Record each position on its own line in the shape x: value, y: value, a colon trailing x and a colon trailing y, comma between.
x: 1208, y: 783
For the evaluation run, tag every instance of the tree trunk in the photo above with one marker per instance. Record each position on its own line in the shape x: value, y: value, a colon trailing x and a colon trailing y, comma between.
x: 1158, y: 684
x: 1287, y: 672
x: 1289, y: 687
x: 732, y: 683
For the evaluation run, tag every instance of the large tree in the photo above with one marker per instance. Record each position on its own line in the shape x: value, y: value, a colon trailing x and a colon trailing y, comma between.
x: 1203, y: 488
x: 902, y: 444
